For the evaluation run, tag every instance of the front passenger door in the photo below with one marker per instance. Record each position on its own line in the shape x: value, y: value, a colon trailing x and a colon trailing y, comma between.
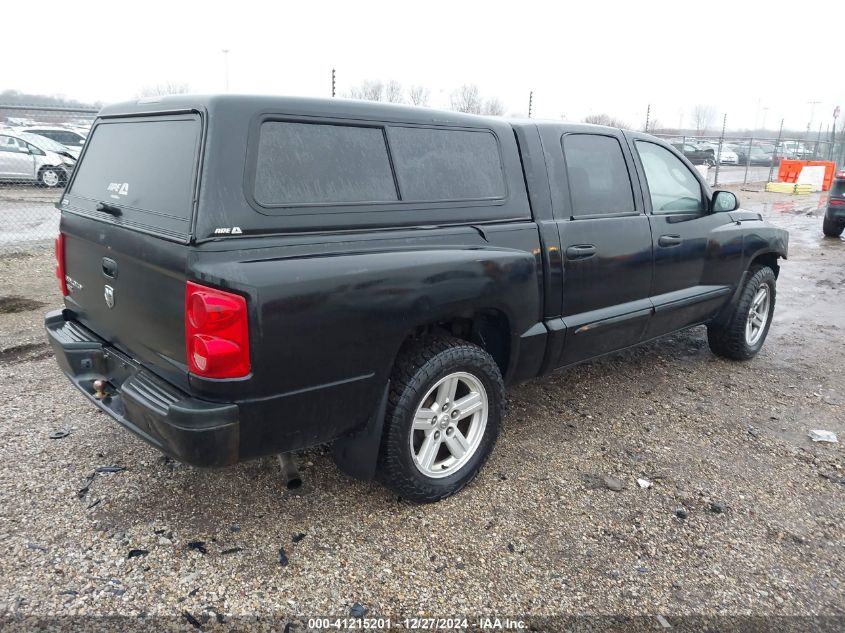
x: 696, y: 254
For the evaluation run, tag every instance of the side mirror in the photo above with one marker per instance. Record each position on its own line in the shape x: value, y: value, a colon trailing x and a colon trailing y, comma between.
x: 723, y: 201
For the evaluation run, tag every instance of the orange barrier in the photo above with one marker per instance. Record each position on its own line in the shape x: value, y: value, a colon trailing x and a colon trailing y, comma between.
x: 829, y: 171
x: 789, y: 171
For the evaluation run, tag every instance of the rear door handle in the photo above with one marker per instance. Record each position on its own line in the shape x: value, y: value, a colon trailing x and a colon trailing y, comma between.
x: 669, y: 240
x: 580, y: 251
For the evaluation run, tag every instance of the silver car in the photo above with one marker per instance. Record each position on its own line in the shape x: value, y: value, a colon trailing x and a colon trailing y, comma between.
x: 71, y: 139
x: 29, y: 158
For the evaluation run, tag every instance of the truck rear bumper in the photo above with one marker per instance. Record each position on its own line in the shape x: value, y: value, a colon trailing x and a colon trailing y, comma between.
x: 193, y: 431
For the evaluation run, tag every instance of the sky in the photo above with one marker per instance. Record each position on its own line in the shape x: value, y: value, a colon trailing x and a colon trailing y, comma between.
x: 756, y: 61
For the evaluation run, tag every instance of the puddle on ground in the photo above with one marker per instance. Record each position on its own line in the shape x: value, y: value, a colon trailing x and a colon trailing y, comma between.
x: 14, y: 303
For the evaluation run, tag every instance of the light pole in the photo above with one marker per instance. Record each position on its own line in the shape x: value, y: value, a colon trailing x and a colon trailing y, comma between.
x: 226, y: 67
x: 765, y: 112
x: 813, y: 105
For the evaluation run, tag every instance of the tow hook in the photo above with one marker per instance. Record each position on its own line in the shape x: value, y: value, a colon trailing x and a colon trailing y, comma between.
x: 100, y: 392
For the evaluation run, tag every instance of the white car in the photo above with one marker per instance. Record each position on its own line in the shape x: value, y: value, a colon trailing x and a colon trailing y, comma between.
x: 29, y: 158
x: 728, y: 156
x: 71, y: 139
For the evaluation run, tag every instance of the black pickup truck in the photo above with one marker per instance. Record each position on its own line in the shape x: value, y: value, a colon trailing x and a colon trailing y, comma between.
x: 244, y: 276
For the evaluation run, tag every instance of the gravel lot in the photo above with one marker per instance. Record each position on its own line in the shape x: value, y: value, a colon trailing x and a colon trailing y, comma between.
x: 745, y: 515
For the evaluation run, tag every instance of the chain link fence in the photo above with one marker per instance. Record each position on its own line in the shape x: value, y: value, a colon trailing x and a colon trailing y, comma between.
x: 39, y: 146
x: 38, y: 151
x: 734, y: 160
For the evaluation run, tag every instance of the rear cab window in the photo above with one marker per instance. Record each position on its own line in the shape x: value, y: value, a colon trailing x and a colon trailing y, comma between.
x: 599, y: 182
x: 146, y: 167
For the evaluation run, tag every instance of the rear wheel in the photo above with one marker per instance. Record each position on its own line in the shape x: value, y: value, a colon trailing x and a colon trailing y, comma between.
x: 831, y: 228
x: 443, y: 416
x: 741, y: 336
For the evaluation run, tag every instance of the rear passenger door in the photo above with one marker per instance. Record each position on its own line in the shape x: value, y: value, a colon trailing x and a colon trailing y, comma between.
x: 696, y: 259
x: 605, y: 240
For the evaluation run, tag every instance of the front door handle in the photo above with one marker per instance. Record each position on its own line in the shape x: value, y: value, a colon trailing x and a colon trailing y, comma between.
x: 580, y: 251
x: 669, y: 240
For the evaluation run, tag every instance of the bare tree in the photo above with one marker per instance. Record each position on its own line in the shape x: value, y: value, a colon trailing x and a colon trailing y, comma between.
x: 466, y: 99
x: 494, y: 107
x: 369, y: 90
x: 605, y: 119
x: 418, y: 95
x: 166, y: 88
x: 393, y: 92
x: 702, y: 117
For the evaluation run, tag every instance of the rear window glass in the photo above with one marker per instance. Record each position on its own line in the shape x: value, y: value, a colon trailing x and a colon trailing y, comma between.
x: 436, y: 164
x: 598, y: 178
x: 309, y: 163
x: 144, y: 167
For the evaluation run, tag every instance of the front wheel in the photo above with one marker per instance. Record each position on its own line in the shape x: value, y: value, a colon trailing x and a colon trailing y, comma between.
x: 444, y: 413
x: 50, y: 177
x: 831, y: 228
x: 741, y: 335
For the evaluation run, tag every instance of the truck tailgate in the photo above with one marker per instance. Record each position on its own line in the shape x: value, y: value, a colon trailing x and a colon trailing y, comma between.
x: 126, y: 228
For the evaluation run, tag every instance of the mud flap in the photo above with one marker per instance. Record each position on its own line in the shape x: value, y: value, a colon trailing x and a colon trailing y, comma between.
x: 356, y: 454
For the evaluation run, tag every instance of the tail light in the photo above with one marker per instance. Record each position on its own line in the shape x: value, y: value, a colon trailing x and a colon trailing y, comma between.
x: 840, y: 173
x: 60, y: 264
x: 836, y: 202
x: 216, y: 332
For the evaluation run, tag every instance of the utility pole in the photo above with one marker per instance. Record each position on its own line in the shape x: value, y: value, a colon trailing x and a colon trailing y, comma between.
x: 647, y: 117
x: 813, y: 105
x: 226, y: 67
x: 765, y: 112
x: 530, y: 103
x: 333, y: 83
x: 777, y: 146
x: 833, y: 134
x: 719, y: 153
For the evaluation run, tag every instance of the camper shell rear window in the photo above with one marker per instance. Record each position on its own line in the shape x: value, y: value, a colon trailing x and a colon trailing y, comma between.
x: 145, y: 167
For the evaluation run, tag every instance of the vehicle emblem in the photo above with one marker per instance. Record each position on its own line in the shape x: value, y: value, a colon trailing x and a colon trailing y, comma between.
x: 108, y: 293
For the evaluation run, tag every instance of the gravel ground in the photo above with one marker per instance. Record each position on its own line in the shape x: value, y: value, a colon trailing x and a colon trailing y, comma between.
x: 745, y: 515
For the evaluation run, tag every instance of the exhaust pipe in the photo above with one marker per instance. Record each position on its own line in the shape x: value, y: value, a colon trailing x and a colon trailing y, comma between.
x: 290, y: 472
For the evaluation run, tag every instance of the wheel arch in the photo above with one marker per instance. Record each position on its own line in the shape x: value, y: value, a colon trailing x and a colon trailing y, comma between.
x: 767, y: 258
x: 489, y: 328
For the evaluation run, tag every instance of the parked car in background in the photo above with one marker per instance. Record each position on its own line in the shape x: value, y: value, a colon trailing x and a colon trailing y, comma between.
x: 696, y: 155
x: 71, y: 139
x: 740, y: 150
x: 758, y: 156
x: 834, y: 217
x: 30, y: 158
x: 726, y: 156
x: 779, y: 153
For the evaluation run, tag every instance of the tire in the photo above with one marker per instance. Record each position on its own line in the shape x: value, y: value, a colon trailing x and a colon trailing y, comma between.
x: 424, y: 374
x: 831, y: 228
x: 710, y: 162
x: 737, y: 337
x: 50, y: 177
